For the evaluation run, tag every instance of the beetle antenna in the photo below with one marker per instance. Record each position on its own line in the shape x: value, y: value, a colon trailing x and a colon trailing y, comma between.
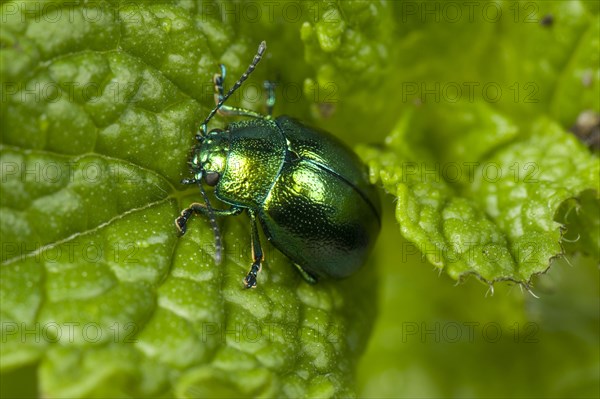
x: 215, y: 227
x: 257, y: 57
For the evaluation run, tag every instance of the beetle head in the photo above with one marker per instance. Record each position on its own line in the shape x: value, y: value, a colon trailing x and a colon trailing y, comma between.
x: 210, y: 157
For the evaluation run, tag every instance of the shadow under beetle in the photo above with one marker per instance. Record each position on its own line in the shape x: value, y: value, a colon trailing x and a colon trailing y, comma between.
x: 309, y: 191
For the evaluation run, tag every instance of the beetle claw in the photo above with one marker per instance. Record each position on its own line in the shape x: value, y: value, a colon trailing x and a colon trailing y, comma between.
x: 250, y: 280
x: 181, y: 223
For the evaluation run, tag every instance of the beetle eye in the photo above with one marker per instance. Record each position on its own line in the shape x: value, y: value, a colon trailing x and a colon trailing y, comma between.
x: 212, y: 178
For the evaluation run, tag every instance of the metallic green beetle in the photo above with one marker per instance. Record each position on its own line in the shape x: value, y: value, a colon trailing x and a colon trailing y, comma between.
x: 309, y: 191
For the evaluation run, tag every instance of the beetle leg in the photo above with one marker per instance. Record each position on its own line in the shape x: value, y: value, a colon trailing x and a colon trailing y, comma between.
x: 201, y: 209
x: 227, y: 110
x: 270, y: 87
x: 257, y: 254
x: 309, y: 278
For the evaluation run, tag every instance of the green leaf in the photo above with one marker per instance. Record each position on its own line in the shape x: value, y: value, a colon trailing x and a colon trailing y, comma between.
x: 99, y: 295
x: 479, y: 176
x: 485, y: 204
